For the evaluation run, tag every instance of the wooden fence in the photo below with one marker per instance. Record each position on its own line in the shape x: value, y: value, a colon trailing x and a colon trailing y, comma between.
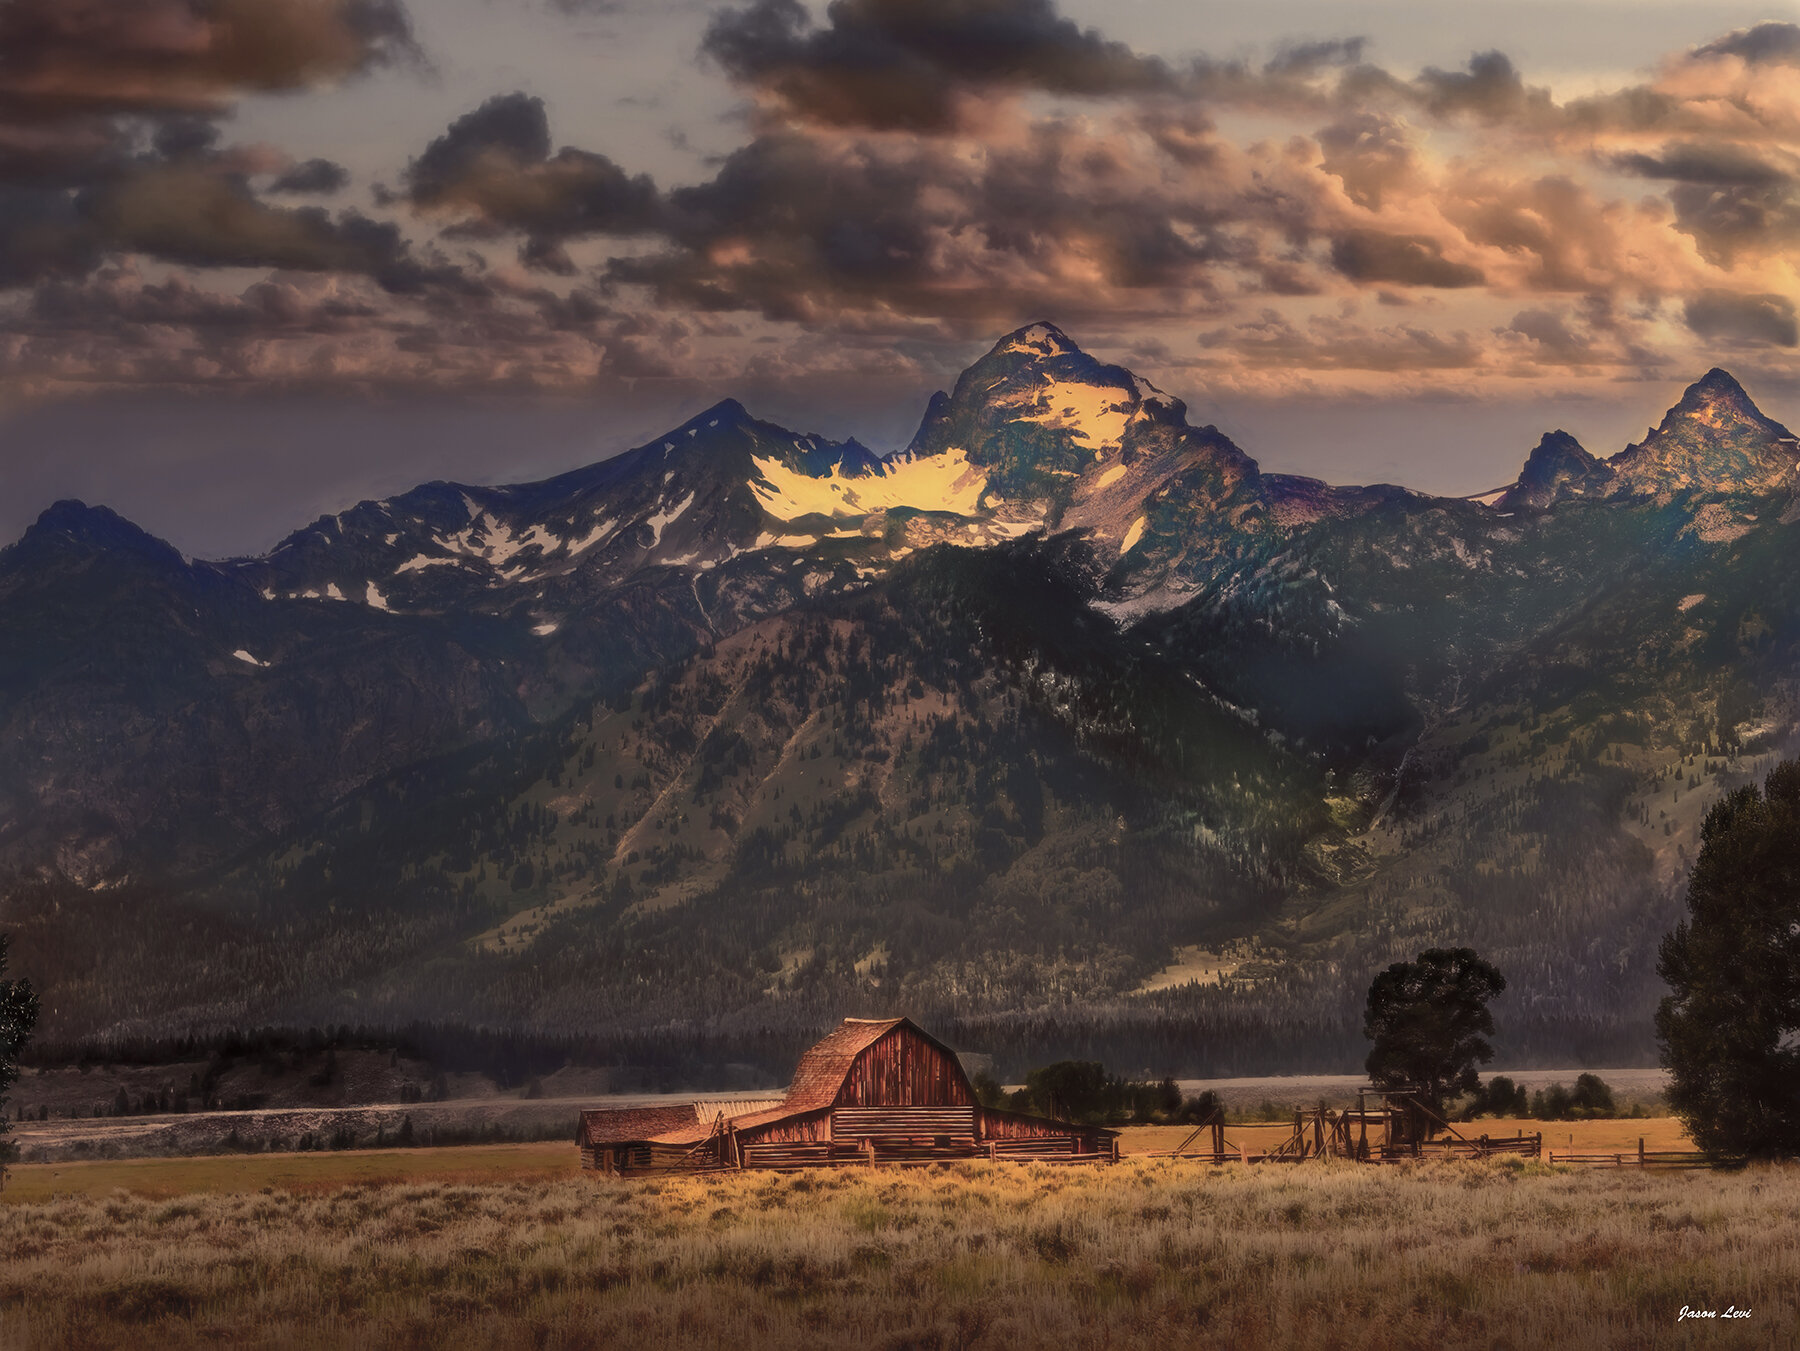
x: 1644, y: 1158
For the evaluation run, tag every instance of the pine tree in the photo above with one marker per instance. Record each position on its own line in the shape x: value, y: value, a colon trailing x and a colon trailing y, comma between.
x: 18, y: 1016
x: 1730, y: 1027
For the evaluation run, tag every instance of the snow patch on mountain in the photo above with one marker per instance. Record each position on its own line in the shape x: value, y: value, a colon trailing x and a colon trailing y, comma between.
x: 1096, y: 415
x: 1040, y: 340
x: 666, y: 517
x: 768, y: 540
x: 945, y: 482
x: 1133, y: 535
x: 423, y: 561
x: 602, y: 528
x: 244, y: 656
x: 372, y: 596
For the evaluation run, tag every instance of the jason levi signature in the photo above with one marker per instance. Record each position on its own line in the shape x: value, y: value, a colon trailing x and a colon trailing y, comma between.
x: 1731, y: 1311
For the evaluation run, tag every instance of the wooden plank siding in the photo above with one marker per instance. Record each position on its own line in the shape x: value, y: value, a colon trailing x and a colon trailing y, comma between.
x: 866, y: 1123
x: 905, y: 1068
x: 1009, y: 1126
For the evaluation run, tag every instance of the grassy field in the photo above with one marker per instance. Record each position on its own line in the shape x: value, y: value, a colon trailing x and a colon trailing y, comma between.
x: 164, y: 1179
x: 508, y: 1247
x: 160, y: 1179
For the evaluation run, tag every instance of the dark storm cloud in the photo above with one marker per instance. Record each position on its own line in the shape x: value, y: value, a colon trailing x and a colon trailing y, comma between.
x: 116, y: 102
x: 510, y: 125
x: 1758, y: 319
x: 192, y: 212
x: 41, y: 235
x: 494, y: 166
x: 61, y: 58
x: 903, y: 63
x: 312, y: 176
x: 1765, y: 44
x: 1307, y: 58
x: 1731, y: 220
x: 1370, y: 154
x: 1407, y: 260
x: 1703, y: 162
x: 1489, y: 88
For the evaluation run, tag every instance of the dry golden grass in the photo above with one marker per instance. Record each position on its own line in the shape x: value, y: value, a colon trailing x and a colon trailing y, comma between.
x: 161, y: 1179
x: 1150, y: 1253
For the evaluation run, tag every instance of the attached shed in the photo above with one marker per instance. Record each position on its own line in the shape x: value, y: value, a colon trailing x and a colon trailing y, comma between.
x: 874, y: 1089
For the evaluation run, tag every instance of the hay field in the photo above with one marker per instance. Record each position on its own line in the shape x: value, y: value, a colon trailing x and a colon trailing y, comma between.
x: 217, y: 1174
x: 1152, y: 1252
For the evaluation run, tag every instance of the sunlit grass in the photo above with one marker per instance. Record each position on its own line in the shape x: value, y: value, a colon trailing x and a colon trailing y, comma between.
x: 1150, y: 1252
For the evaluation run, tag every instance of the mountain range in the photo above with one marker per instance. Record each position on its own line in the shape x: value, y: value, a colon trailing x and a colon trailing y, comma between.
x: 1064, y: 716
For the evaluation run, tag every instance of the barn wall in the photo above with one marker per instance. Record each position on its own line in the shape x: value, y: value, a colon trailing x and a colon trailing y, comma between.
x: 903, y: 1069
x: 997, y: 1125
x: 814, y: 1127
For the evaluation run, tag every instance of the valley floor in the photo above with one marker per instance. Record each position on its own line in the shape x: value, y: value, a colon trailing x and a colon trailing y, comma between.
x: 492, y: 1117
x: 510, y: 1246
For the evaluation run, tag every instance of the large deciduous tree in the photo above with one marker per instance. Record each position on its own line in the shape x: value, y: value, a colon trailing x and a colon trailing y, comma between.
x: 1429, y: 1021
x: 1729, y: 1028
x: 18, y: 1015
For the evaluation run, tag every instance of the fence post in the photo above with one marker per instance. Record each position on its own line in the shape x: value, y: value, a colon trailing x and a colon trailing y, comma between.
x: 1640, y: 1151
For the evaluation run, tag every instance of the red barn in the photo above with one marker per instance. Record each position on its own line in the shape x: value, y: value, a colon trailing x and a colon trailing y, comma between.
x: 875, y: 1089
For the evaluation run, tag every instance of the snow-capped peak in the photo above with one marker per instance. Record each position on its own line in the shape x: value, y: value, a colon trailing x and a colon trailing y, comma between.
x: 1040, y: 339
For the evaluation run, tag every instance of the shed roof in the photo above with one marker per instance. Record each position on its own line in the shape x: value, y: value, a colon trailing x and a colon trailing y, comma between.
x: 621, y: 1125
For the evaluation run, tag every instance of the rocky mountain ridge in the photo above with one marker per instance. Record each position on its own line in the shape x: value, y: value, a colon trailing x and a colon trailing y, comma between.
x: 1062, y: 690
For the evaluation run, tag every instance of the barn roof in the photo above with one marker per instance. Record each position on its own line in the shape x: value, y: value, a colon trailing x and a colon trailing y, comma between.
x: 822, y: 1070
x: 817, y: 1082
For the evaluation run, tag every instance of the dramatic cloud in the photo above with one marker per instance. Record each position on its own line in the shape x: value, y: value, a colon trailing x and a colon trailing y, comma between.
x: 1766, y: 43
x: 66, y: 59
x: 907, y: 175
x: 494, y: 166
x: 1409, y: 260
x: 906, y: 63
x: 1740, y: 318
x: 311, y: 177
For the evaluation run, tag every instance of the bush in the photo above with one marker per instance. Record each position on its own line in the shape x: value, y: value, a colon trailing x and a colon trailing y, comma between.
x: 1082, y: 1090
x: 1500, y: 1096
x: 1591, y: 1098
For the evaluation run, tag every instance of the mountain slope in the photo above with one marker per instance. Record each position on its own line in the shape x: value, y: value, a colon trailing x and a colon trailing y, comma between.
x: 743, y: 722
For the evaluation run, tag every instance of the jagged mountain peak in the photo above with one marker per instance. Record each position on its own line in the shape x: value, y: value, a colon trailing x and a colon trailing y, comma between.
x: 72, y: 523
x: 1558, y: 444
x: 1715, y: 438
x: 1040, y: 339
x: 1037, y: 411
x: 1717, y: 399
x: 1558, y: 468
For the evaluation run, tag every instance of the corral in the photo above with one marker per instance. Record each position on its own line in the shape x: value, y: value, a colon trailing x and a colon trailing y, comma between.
x: 874, y: 1090
x: 1387, y: 1125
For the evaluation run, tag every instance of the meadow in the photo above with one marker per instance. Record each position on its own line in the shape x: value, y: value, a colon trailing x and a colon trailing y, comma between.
x: 509, y: 1247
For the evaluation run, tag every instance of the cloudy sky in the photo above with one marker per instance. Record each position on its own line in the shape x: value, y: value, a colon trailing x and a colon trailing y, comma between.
x: 259, y: 258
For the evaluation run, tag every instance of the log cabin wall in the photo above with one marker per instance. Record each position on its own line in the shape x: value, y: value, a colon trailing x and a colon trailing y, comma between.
x: 905, y: 1069
x: 1000, y: 1125
x: 812, y: 1128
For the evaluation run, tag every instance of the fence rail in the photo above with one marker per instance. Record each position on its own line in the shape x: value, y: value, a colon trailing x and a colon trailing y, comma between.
x: 1641, y: 1158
